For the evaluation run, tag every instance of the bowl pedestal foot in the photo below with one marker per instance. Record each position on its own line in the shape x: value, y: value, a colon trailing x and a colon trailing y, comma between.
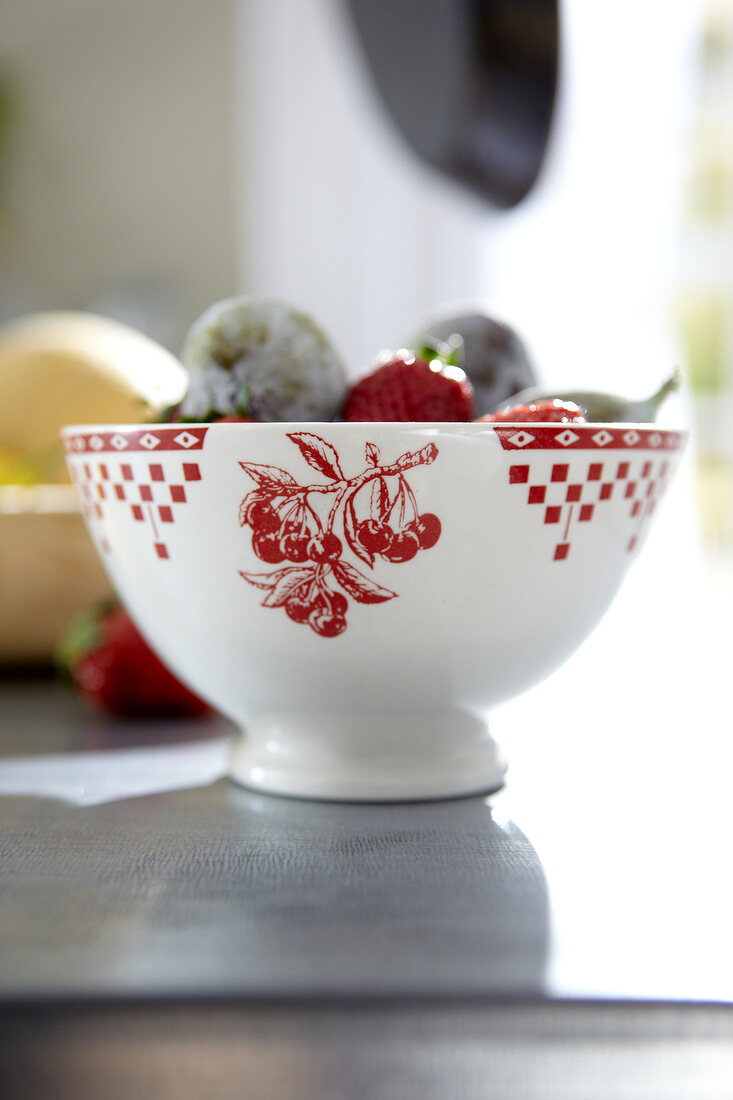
x: 368, y: 756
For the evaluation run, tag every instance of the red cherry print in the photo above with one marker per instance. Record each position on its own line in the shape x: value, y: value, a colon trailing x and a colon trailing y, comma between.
x: 375, y: 536
x: 404, y: 546
x: 325, y: 548
x: 299, y: 607
x: 326, y: 623
x: 294, y: 546
x: 266, y: 546
x: 427, y: 527
x: 262, y: 517
x: 338, y: 603
x: 287, y: 525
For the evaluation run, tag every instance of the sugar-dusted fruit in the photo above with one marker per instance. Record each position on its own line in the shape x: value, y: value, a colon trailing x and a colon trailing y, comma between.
x: 262, y: 360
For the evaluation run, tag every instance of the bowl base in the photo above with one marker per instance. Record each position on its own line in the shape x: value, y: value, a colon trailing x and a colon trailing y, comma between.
x: 368, y: 757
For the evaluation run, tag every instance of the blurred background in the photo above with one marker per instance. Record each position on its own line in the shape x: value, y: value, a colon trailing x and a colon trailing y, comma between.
x: 157, y: 155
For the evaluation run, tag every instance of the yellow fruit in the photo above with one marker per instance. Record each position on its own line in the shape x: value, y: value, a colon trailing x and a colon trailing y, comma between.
x: 7, y: 461
x: 76, y: 368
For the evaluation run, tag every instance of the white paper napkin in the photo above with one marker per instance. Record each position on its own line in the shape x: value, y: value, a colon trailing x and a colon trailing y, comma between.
x: 90, y: 778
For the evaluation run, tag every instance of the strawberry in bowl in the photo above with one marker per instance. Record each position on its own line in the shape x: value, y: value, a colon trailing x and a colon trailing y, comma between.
x: 408, y: 385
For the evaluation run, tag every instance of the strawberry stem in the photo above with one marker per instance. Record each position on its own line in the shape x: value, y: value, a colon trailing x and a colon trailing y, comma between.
x: 448, y: 352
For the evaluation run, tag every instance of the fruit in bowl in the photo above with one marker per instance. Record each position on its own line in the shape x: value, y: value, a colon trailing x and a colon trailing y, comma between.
x: 357, y: 596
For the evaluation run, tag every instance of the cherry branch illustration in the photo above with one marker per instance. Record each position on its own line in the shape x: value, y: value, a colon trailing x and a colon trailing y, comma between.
x: 378, y: 514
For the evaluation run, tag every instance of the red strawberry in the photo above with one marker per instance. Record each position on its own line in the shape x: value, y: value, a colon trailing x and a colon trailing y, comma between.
x: 409, y: 388
x: 114, y: 667
x: 552, y: 411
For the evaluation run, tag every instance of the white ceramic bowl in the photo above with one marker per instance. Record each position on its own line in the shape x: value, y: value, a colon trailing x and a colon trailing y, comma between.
x: 382, y: 691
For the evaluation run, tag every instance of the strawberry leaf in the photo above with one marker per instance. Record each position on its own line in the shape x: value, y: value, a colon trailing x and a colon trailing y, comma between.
x: 83, y: 634
x: 319, y: 454
x: 351, y: 535
x: 288, y: 583
x: 269, y: 477
x: 361, y: 588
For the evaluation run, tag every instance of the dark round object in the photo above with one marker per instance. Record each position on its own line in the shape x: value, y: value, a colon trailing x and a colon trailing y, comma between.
x: 492, y: 355
x: 470, y: 84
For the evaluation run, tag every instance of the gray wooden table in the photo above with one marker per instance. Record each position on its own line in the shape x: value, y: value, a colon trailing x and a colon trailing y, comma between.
x: 215, y: 942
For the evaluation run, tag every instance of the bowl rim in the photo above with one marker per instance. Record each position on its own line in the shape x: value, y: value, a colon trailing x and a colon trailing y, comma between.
x: 402, y: 425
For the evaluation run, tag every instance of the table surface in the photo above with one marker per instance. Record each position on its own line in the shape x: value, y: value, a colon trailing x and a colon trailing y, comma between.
x: 134, y: 873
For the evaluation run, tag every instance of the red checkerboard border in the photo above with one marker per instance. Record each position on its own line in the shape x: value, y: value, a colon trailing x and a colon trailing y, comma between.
x: 636, y: 483
x: 151, y: 492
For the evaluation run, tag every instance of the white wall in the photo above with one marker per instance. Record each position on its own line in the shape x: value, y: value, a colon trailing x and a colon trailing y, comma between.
x: 337, y: 215
x: 219, y: 146
x: 592, y: 260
